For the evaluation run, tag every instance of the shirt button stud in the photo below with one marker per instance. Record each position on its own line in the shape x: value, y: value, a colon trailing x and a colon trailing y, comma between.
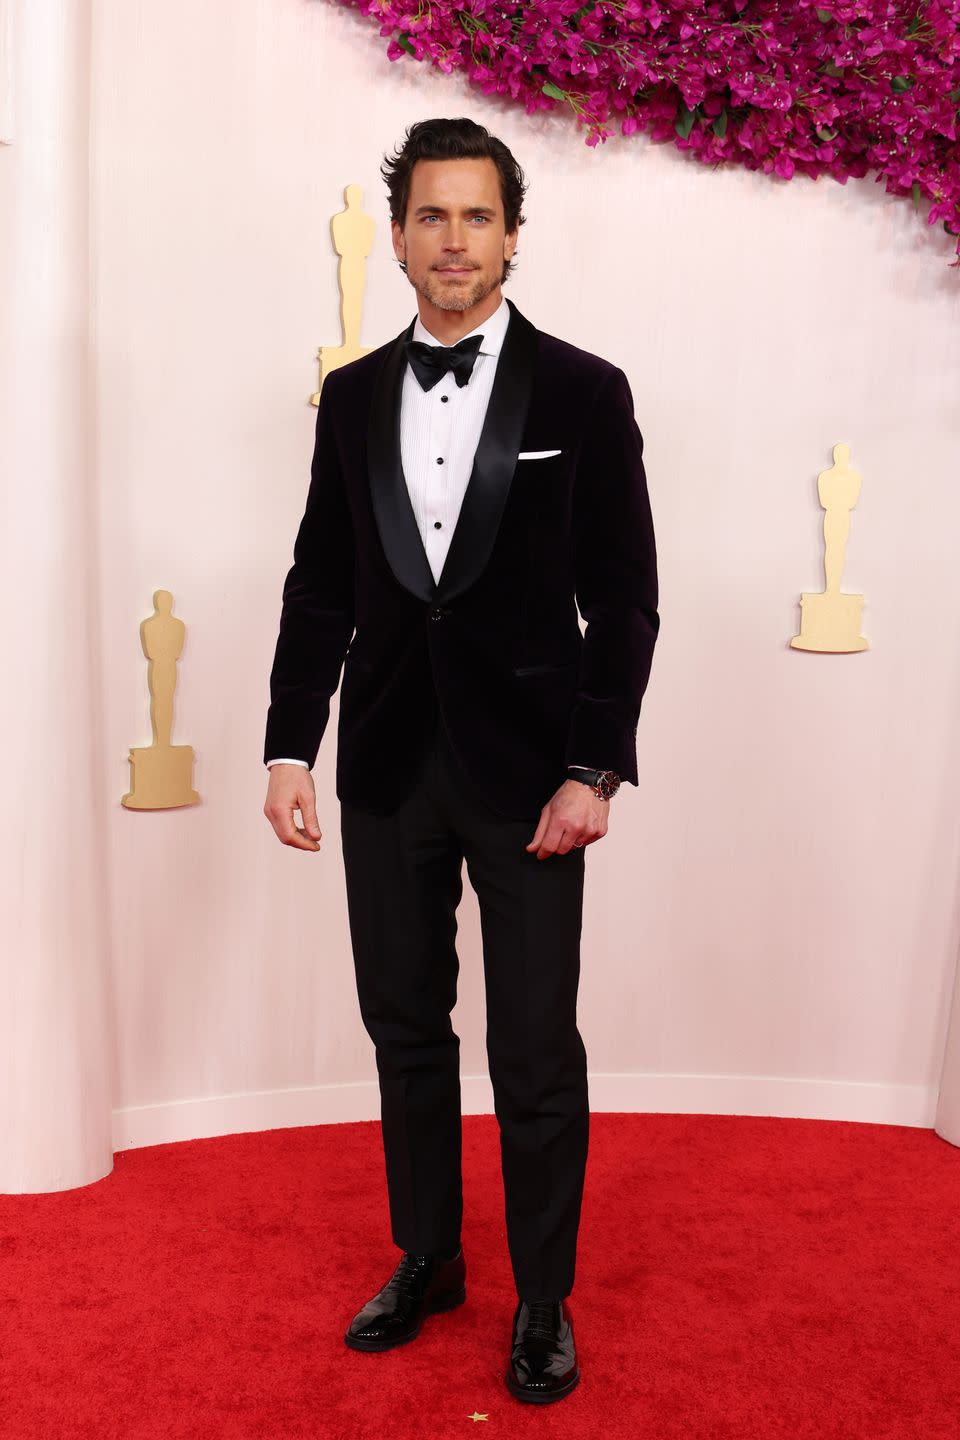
x: 439, y: 459
x: 444, y: 398
x: 436, y: 524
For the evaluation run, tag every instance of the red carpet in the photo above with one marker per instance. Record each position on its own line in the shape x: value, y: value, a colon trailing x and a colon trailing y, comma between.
x: 737, y: 1278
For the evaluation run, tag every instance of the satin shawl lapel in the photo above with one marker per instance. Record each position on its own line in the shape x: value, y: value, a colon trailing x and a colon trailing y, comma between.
x: 399, y: 533
x: 493, y: 468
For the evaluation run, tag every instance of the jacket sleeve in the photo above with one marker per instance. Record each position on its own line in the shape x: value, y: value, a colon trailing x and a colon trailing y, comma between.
x: 616, y: 583
x: 317, y: 613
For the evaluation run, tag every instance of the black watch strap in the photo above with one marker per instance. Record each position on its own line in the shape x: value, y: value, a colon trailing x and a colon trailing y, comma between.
x: 603, y: 783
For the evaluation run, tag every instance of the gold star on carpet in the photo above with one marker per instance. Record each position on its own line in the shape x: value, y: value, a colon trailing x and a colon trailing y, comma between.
x: 475, y: 1416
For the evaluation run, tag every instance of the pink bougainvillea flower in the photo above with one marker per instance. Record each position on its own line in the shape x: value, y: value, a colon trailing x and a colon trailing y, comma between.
x: 784, y: 86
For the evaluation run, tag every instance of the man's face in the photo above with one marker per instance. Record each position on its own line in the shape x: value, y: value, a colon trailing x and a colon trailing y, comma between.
x: 453, y: 239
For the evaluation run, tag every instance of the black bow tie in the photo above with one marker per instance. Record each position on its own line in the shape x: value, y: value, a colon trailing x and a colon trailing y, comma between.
x: 431, y: 362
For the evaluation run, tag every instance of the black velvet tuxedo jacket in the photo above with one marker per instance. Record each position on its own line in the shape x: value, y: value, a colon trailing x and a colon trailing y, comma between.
x: 497, y: 642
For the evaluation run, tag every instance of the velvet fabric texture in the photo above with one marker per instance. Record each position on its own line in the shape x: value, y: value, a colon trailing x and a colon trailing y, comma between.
x: 497, y: 642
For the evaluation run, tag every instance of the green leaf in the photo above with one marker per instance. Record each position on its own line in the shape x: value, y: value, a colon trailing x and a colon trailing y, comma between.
x: 914, y: 25
x: 824, y: 16
x: 403, y: 40
x: 955, y: 95
x: 553, y: 91
x: 915, y: 191
x: 831, y: 69
x: 901, y: 83
x: 719, y: 126
x: 685, y: 118
x: 592, y: 49
x: 824, y: 132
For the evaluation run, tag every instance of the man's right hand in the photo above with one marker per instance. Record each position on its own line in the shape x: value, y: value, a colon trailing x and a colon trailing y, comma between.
x: 291, y: 788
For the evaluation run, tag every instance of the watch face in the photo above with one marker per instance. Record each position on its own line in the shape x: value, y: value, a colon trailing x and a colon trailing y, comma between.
x: 609, y: 782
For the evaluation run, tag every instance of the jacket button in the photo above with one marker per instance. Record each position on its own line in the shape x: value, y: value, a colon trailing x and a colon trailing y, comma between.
x: 437, y: 614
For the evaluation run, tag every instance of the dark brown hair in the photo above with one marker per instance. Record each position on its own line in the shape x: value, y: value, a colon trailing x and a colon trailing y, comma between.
x: 460, y: 139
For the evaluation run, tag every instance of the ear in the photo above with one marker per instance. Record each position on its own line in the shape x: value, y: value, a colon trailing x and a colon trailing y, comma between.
x: 399, y: 245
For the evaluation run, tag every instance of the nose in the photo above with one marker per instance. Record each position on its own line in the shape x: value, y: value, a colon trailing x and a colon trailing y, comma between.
x: 455, y: 238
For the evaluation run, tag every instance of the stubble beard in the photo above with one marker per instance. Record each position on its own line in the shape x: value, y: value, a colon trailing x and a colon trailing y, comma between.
x: 452, y: 295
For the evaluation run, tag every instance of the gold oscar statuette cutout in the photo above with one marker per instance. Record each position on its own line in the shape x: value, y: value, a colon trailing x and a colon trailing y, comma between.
x: 353, y: 231
x: 161, y: 774
x: 830, y: 620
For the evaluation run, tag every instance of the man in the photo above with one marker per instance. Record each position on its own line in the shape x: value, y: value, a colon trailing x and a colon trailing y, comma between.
x: 474, y: 482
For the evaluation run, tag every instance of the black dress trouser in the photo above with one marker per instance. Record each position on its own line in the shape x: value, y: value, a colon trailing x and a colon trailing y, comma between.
x: 403, y: 879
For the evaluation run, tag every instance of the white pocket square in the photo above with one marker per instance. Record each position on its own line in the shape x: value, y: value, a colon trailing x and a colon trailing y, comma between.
x: 537, y: 454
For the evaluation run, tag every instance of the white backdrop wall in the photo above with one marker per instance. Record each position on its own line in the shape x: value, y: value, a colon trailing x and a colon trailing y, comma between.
x: 56, y: 1047
x: 772, y: 924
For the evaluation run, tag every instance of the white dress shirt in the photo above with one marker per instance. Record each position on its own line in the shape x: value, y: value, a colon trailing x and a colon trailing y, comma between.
x: 439, y: 433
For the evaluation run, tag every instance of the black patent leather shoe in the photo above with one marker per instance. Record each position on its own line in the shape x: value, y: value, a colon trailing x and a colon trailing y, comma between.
x: 543, y: 1365
x: 421, y: 1285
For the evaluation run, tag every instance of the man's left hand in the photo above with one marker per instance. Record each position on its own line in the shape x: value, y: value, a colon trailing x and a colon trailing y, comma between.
x: 571, y: 818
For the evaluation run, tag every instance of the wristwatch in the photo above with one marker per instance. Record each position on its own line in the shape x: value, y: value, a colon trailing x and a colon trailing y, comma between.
x: 604, y: 783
